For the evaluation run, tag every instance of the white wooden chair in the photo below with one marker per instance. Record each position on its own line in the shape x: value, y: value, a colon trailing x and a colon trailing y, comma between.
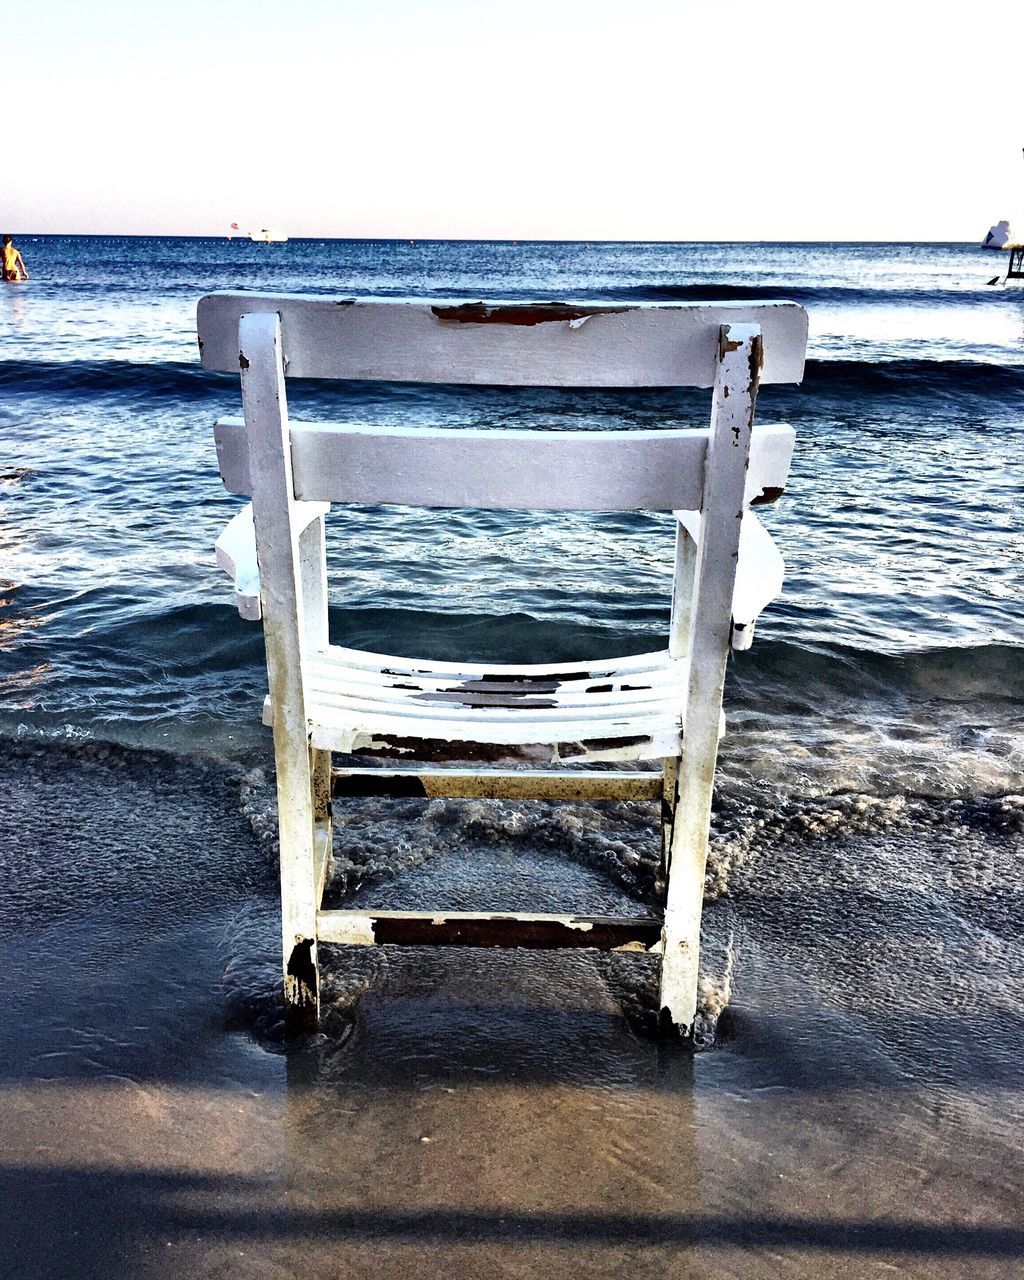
x: 663, y: 706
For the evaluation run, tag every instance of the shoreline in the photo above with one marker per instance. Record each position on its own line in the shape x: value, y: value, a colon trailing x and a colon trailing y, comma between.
x: 480, y: 1113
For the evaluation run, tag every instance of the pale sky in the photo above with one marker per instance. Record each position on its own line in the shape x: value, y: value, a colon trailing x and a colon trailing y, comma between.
x: 551, y: 119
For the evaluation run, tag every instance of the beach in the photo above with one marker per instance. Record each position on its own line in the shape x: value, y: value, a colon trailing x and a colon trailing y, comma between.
x: 854, y: 1107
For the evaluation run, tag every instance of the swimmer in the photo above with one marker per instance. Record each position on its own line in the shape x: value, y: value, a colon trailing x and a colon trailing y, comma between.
x: 13, y: 263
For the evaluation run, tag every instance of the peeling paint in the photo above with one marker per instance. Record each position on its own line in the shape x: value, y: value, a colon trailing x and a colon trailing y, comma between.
x: 756, y: 363
x: 243, y: 363
x: 438, y: 750
x: 594, y: 933
x: 605, y: 744
x: 301, y: 989
x: 301, y: 966
x: 546, y: 679
x: 484, y: 701
x: 531, y: 314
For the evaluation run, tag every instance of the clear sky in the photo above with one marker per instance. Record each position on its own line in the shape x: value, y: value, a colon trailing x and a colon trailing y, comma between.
x: 560, y: 119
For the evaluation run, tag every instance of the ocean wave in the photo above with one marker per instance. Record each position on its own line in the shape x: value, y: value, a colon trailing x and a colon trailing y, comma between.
x: 207, y: 639
x: 147, y: 379
x: 808, y: 676
x: 811, y: 295
x: 908, y: 377
x: 156, y: 380
x: 211, y: 636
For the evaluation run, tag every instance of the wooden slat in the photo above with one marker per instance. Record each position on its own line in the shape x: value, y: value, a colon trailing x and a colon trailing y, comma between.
x: 387, y: 682
x: 653, y: 687
x: 596, y: 668
x: 498, y: 343
x: 497, y: 784
x: 623, y: 714
x: 462, y: 741
x: 494, y: 929
x: 510, y: 470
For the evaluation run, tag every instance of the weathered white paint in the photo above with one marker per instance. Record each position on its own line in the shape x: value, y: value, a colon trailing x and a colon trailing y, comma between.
x: 554, y: 470
x: 236, y: 555
x: 759, y: 572
x: 351, y: 706
x: 710, y: 628
x: 635, y: 345
x: 278, y: 531
x: 664, y: 705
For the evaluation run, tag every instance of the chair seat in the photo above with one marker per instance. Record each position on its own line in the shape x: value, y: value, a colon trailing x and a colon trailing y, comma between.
x: 626, y: 708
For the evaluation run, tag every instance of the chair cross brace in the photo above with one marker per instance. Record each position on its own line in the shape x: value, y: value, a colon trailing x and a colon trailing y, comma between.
x: 489, y: 929
x: 495, y: 784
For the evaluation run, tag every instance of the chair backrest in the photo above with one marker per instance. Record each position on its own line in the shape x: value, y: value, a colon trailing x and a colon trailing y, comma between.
x: 650, y: 344
x: 508, y: 344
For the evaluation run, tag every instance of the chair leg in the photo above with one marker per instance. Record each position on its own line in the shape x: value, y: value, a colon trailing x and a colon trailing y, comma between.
x: 296, y: 824
x: 323, y: 812
x: 680, y: 958
x: 670, y: 782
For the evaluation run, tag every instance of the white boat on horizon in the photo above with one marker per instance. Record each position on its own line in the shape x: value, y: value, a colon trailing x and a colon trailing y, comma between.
x: 264, y: 236
x: 999, y: 236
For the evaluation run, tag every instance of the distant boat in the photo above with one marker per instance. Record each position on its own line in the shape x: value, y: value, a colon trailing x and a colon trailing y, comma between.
x: 267, y: 237
x: 999, y: 236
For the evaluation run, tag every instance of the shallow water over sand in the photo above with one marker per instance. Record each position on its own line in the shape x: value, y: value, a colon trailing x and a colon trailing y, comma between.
x: 495, y: 1113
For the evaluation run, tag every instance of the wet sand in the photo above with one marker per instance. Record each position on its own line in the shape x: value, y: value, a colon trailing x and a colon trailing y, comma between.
x: 472, y: 1113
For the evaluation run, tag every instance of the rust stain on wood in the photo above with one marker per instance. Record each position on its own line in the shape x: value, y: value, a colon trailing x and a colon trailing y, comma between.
x: 536, y: 313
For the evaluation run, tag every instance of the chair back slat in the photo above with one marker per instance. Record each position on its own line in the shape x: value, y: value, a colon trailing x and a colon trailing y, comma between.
x: 504, y: 344
x: 510, y: 470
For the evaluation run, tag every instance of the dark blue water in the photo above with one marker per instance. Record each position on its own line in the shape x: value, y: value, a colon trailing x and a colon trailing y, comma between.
x: 902, y: 527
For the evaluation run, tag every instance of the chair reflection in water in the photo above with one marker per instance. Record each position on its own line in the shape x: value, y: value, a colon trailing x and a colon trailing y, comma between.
x: 499, y: 722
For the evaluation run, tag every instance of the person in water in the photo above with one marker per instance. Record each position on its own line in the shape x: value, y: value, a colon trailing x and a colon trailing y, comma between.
x: 13, y: 263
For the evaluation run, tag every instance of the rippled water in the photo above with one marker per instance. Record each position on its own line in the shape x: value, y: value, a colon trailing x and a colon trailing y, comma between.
x: 858, y: 1108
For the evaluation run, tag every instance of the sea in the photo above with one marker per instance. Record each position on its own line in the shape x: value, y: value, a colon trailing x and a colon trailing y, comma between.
x: 854, y: 1106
